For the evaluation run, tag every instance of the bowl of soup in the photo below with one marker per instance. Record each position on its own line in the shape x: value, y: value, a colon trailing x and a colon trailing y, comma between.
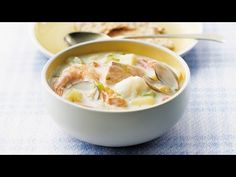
x: 116, y: 92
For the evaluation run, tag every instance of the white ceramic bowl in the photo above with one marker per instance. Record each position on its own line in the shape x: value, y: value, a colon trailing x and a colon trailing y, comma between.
x: 115, y: 127
x: 54, y: 32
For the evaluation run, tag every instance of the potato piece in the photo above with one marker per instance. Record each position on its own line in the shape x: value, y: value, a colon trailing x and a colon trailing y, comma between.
x: 131, y: 86
x: 129, y: 59
x: 145, y: 100
x: 74, y: 95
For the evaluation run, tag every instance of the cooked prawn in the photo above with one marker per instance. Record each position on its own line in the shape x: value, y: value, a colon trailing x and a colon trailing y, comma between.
x: 74, y: 73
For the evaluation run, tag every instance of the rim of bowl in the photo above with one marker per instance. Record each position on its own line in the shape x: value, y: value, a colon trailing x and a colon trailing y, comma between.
x: 194, y: 43
x: 179, y: 58
x: 36, y: 42
x: 49, y: 54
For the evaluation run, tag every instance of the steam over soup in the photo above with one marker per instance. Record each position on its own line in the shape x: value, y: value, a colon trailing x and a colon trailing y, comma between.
x: 114, y: 80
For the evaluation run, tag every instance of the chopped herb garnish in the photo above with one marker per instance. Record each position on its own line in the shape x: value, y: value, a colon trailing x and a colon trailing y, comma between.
x: 111, y: 57
x: 153, y: 94
x: 100, y: 86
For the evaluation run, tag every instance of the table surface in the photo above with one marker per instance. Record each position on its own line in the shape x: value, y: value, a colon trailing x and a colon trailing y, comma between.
x: 207, y: 127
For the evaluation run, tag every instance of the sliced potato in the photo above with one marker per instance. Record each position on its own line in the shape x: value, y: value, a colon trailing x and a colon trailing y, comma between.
x: 145, y: 100
x: 74, y: 95
x: 131, y: 86
x: 129, y: 59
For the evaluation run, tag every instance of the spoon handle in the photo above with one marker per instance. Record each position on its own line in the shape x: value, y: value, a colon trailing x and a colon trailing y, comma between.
x: 211, y: 37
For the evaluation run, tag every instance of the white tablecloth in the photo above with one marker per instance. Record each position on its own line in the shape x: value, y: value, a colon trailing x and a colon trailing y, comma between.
x: 207, y: 127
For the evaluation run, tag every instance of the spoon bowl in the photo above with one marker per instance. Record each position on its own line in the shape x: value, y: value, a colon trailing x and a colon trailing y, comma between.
x: 79, y: 37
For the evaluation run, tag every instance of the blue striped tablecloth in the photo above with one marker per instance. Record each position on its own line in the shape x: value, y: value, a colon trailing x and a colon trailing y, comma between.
x: 207, y: 127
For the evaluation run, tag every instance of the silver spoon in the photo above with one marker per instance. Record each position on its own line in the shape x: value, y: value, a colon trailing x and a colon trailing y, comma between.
x: 78, y: 37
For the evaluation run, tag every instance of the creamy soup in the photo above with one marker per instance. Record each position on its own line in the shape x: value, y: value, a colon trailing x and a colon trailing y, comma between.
x: 114, y: 80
